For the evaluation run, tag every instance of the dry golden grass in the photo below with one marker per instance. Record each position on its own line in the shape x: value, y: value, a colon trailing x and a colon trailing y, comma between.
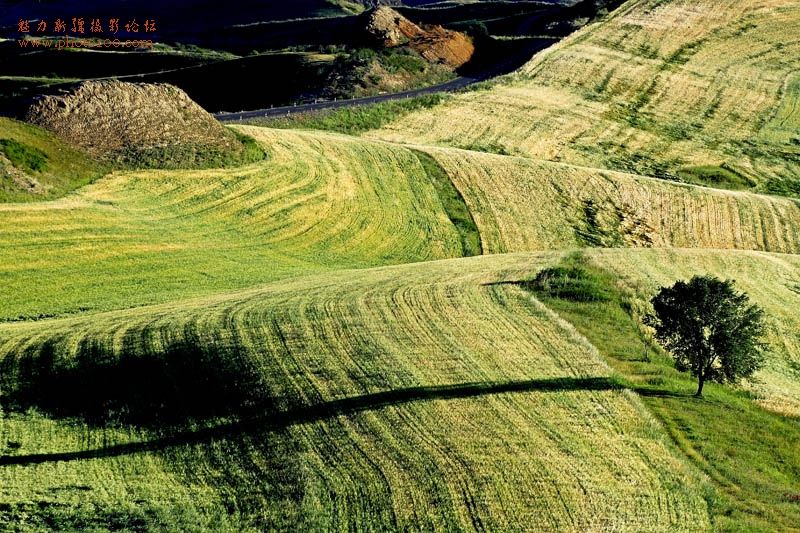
x: 521, y: 204
x: 324, y: 201
x: 658, y: 87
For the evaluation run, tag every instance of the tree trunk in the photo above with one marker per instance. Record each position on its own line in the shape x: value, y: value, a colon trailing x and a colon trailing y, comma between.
x: 700, y: 382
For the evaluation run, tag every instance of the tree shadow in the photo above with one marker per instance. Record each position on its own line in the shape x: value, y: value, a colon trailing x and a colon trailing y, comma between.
x: 280, y: 420
x: 165, y: 384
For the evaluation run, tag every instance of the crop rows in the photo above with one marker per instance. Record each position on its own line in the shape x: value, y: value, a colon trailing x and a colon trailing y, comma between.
x: 319, y: 202
x: 410, y: 397
x: 296, y: 344
x: 664, y: 87
x: 522, y: 205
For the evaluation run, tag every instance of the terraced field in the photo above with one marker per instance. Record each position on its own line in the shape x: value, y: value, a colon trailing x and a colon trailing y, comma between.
x: 666, y: 89
x: 418, y: 396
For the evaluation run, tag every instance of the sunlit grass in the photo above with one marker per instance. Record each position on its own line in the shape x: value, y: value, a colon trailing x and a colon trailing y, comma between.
x: 751, y: 455
x: 662, y: 86
x: 428, y: 395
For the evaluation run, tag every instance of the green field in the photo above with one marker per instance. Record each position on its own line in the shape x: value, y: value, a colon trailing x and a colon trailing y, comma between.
x: 748, y: 448
x: 348, y: 335
x: 36, y: 166
x: 402, y: 397
x: 319, y: 202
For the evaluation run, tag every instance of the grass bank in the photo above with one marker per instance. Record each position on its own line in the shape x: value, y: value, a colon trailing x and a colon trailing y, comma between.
x: 352, y: 120
x: 35, y: 165
x: 750, y: 454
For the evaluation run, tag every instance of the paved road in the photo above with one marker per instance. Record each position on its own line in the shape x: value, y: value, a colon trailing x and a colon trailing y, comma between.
x: 504, y: 66
x: 451, y: 85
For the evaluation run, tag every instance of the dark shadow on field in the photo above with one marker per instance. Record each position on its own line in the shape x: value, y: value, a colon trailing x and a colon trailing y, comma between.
x: 148, y: 378
x: 281, y: 420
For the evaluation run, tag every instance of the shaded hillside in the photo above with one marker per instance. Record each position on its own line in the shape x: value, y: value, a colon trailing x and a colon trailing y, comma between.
x: 327, y: 54
x: 173, y: 16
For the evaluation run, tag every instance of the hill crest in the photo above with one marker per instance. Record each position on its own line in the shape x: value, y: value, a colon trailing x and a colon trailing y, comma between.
x: 136, y: 124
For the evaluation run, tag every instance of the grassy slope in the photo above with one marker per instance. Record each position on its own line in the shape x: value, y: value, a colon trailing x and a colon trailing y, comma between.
x: 161, y: 235
x: 65, y: 168
x: 521, y: 204
x: 352, y: 120
x: 312, y: 340
x: 320, y: 202
x: 665, y: 86
x: 749, y: 452
x: 772, y: 281
x: 460, y: 453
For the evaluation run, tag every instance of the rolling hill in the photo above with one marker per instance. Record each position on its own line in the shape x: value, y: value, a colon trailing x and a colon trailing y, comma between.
x: 301, y: 343
x: 413, y: 396
x: 317, y: 203
x: 323, y: 201
x: 771, y: 280
x: 700, y: 91
x: 326, y: 389
x: 520, y: 204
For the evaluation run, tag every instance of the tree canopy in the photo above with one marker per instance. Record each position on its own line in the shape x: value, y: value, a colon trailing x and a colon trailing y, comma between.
x: 710, y: 329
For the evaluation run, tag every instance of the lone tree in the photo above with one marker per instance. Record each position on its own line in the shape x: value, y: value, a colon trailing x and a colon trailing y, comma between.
x: 710, y: 329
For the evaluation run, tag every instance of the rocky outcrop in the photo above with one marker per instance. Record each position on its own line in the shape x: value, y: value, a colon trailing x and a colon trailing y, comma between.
x: 434, y: 43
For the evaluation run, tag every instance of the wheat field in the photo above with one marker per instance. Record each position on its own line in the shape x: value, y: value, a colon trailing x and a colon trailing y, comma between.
x: 521, y: 204
x: 320, y: 202
x: 299, y: 345
x: 325, y: 201
x: 431, y: 395
x: 664, y: 86
x: 499, y: 414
